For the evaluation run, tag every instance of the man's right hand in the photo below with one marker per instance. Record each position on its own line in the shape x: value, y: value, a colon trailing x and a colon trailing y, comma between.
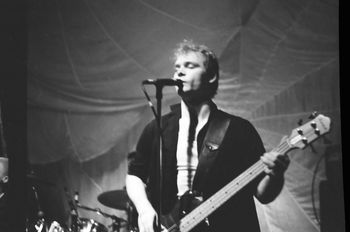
x: 147, y: 219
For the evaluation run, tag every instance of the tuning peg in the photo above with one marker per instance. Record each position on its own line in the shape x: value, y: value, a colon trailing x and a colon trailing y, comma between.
x: 313, y: 124
x: 300, y: 122
x: 304, y: 140
x: 317, y: 131
x: 313, y: 115
x: 300, y: 131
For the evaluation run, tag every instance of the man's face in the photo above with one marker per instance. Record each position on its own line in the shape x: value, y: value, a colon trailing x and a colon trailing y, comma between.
x: 190, y: 68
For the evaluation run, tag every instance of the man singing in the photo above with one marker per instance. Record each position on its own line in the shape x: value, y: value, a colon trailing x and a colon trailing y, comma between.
x: 184, y: 133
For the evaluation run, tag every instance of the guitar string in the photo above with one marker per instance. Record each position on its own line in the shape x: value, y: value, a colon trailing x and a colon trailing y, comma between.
x: 218, y: 199
x: 258, y: 168
x: 216, y: 202
x: 254, y: 170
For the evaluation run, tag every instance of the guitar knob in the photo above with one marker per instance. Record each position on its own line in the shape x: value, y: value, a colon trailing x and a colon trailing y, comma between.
x: 313, y: 125
x: 304, y: 140
x: 300, y: 131
x: 317, y: 132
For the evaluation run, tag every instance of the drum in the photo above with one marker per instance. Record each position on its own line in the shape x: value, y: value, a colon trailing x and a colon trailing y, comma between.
x: 90, y: 225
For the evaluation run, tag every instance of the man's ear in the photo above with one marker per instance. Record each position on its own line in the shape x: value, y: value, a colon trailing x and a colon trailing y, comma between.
x: 5, y: 179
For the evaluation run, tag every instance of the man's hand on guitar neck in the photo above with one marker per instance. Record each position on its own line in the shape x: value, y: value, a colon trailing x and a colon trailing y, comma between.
x: 271, y: 185
x: 276, y: 163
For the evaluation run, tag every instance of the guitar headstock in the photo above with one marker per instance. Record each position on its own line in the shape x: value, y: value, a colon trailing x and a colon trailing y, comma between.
x: 310, y: 131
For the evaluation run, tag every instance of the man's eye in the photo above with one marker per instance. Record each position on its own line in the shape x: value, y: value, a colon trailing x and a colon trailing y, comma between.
x: 190, y: 65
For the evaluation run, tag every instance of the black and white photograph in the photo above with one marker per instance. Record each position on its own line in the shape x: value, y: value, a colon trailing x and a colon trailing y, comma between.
x: 171, y: 116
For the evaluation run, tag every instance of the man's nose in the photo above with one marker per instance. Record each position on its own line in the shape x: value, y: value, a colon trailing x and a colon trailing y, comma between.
x: 180, y: 73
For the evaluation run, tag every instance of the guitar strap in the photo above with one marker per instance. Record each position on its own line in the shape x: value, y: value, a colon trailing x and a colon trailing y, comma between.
x: 210, y: 147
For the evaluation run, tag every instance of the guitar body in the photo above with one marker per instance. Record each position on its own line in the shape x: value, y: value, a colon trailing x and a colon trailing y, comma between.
x: 185, y: 205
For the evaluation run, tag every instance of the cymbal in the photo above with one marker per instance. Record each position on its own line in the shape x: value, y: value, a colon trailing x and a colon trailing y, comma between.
x: 117, y: 199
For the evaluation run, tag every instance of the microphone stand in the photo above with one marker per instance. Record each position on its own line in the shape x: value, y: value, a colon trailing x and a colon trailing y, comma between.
x: 159, y: 159
x: 159, y: 96
x: 159, y: 84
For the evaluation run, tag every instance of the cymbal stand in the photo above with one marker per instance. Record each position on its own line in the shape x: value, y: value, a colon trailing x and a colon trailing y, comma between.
x: 115, y: 225
x: 131, y: 226
x: 74, y: 216
x: 40, y: 225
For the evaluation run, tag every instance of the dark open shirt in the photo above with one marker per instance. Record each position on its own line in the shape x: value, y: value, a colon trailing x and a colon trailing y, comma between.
x: 240, y: 148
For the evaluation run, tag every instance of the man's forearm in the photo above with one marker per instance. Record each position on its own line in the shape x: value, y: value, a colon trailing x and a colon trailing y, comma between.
x: 137, y: 192
x: 269, y: 188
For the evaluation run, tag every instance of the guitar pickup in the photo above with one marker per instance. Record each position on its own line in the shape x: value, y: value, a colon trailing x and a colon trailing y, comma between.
x: 211, y: 146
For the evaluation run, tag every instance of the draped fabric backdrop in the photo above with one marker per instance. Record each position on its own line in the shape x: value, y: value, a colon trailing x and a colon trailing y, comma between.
x: 86, y: 61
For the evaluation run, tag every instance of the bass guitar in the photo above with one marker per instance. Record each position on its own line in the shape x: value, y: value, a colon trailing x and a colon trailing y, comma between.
x: 178, y: 220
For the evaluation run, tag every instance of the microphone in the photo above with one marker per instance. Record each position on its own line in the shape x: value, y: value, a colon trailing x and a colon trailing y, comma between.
x: 163, y: 82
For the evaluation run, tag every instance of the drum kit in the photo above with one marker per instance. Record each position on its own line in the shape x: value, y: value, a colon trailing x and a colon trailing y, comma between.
x: 116, y: 199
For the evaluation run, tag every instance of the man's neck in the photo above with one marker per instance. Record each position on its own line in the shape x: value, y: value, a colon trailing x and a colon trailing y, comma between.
x: 202, y: 110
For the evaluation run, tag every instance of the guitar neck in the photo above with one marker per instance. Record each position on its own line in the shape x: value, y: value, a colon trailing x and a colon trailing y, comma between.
x: 219, y: 198
x: 299, y: 138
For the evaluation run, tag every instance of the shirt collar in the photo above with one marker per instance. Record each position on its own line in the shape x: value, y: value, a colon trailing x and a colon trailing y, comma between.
x: 176, y: 108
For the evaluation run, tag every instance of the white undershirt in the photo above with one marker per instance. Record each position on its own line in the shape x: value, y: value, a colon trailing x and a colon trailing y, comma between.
x: 187, y: 163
